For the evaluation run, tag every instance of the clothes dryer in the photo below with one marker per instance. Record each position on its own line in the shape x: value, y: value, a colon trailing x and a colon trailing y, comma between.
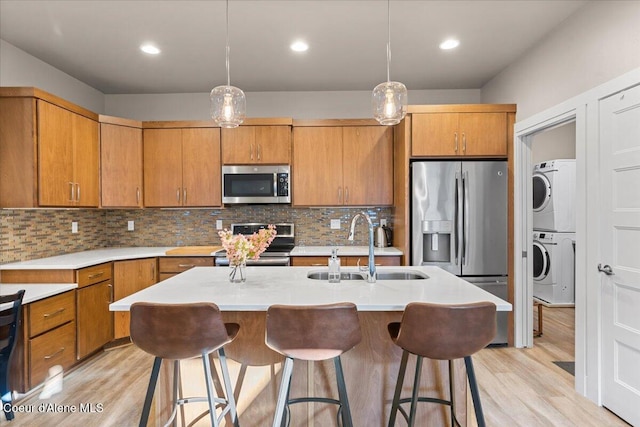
x: 554, y: 188
x: 554, y: 267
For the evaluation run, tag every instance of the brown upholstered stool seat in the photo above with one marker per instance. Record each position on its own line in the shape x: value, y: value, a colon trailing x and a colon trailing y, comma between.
x: 183, y: 331
x: 441, y: 332
x: 313, y: 333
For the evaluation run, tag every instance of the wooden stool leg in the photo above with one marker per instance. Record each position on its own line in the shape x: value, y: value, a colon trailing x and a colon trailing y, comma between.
x: 396, y: 396
x: 146, y: 409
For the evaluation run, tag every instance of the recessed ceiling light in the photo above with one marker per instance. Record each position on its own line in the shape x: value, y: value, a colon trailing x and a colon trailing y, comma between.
x: 150, y: 49
x: 449, y: 44
x: 299, y: 46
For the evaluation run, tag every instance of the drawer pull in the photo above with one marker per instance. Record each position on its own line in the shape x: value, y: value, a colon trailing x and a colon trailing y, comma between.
x: 318, y: 265
x: 93, y: 276
x: 51, y: 356
x: 58, y: 311
x: 186, y: 265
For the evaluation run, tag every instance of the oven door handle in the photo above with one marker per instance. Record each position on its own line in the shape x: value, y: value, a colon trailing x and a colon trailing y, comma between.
x: 260, y: 262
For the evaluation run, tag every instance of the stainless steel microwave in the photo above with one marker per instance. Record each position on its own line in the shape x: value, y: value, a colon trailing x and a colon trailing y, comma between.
x: 256, y: 184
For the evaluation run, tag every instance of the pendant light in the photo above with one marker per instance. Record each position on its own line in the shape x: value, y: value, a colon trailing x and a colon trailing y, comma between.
x: 228, y: 103
x: 389, y: 100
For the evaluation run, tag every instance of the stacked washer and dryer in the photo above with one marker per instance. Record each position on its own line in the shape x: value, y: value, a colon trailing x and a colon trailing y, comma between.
x: 554, y: 226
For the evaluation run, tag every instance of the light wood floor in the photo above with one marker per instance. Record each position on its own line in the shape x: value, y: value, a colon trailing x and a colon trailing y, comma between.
x: 519, y: 387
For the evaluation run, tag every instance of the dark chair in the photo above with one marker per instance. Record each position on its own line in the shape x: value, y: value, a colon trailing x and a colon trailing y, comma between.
x: 184, y: 331
x: 441, y: 332
x: 9, y: 327
x: 313, y: 333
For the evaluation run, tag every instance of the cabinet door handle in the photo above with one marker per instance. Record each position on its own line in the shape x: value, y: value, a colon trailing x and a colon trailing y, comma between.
x: 58, y: 311
x: 346, y: 195
x: 251, y: 151
x: 110, y: 293
x: 455, y: 138
x: 464, y: 143
x: 93, y: 276
x: 318, y: 265
x: 137, y: 195
x: 71, y: 191
x: 77, y: 192
x: 339, y: 194
x: 51, y: 356
x: 259, y: 152
x: 184, y: 195
x: 186, y: 265
x: 178, y: 195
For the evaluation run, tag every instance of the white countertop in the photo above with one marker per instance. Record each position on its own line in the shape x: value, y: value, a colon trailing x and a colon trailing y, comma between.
x: 290, y: 285
x: 344, y: 251
x: 86, y: 258
x: 34, y: 292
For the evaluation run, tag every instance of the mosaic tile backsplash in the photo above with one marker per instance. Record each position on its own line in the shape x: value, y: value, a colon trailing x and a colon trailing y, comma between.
x: 30, y: 234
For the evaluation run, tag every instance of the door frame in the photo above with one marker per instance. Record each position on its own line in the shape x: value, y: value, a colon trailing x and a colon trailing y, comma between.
x: 584, y: 109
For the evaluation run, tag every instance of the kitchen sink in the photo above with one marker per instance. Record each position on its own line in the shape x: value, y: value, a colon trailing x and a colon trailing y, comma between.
x: 382, y: 275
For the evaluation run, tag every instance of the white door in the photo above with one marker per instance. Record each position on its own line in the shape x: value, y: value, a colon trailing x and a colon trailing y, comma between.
x: 620, y: 253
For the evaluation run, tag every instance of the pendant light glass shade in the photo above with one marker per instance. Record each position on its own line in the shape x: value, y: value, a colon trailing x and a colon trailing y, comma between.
x: 228, y: 106
x: 228, y: 103
x: 389, y: 99
x: 389, y: 103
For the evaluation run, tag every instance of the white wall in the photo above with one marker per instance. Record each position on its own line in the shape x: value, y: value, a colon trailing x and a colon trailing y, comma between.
x: 299, y: 105
x: 598, y: 43
x: 555, y: 143
x: 18, y: 68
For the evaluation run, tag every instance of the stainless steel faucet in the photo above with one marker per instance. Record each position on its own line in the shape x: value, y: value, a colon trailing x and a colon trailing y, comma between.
x: 371, y: 273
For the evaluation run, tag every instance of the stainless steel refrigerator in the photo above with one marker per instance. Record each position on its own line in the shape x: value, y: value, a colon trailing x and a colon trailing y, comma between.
x: 459, y: 223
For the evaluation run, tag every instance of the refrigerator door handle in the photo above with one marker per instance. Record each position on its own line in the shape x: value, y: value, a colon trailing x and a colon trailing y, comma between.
x: 465, y: 215
x: 458, y: 218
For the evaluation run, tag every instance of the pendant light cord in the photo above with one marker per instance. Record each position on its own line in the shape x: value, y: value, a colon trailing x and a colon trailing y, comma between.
x: 388, y: 37
x: 227, y: 48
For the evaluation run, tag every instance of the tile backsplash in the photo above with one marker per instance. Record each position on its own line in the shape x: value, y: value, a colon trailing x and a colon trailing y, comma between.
x: 37, y: 233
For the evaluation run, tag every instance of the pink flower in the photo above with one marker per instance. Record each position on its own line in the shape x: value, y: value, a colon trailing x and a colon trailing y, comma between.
x: 240, y: 248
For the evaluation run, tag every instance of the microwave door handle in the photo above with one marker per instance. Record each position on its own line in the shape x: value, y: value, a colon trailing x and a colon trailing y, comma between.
x: 275, y: 184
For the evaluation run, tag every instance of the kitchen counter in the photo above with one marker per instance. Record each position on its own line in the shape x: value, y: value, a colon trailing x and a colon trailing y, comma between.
x: 290, y: 285
x: 83, y: 259
x: 34, y: 292
x: 370, y: 368
x: 344, y: 251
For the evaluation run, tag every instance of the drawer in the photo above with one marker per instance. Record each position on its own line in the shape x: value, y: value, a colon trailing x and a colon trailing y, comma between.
x: 56, y: 347
x: 90, y: 275
x: 315, y: 261
x: 48, y: 313
x: 180, y: 264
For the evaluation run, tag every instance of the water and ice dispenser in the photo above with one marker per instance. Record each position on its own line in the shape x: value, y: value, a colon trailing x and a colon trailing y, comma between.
x: 437, y: 238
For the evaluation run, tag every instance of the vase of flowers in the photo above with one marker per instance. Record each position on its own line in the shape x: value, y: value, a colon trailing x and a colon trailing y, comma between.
x: 240, y: 248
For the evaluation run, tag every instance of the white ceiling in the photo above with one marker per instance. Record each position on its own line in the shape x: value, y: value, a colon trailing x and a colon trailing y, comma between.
x: 97, y: 41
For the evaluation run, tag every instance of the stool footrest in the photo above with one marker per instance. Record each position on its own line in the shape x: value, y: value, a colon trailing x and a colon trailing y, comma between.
x: 313, y: 399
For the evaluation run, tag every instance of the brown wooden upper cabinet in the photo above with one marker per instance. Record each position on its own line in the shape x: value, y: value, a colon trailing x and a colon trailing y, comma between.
x: 182, y: 167
x: 247, y: 145
x: 120, y: 162
x: 342, y: 166
x: 451, y: 134
x: 49, y: 153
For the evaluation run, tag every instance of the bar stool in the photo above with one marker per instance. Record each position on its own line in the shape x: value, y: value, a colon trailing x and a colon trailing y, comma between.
x: 312, y: 333
x: 183, y: 331
x: 441, y: 332
x: 10, y: 325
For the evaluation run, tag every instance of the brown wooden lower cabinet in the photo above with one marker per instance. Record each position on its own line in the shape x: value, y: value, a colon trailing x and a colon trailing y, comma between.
x: 94, y: 320
x: 130, y: 277
x: 345, y: 261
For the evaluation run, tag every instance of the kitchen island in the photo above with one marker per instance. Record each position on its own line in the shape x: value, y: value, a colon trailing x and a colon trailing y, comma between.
x: 370, y: 368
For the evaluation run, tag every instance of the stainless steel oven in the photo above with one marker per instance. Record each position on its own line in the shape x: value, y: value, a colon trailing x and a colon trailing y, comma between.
x: 277, y: 254
x: 256, y: 184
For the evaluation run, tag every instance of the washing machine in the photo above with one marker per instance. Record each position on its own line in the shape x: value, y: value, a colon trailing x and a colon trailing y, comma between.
x: 554, y: 189
x: 554, y: 267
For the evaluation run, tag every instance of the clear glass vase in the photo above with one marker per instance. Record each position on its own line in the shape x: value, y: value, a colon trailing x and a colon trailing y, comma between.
x: 237, y: 273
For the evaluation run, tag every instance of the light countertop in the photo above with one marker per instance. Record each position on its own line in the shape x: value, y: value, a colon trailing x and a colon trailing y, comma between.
x: 290, y: 285
x: 34, y: 292
x: 344, y: 251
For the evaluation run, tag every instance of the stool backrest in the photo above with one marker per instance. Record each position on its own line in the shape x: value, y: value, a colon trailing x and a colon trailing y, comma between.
x: 445, y: 332
x: 9, y: 323
x: 317, y: 332
x: 177, y: 331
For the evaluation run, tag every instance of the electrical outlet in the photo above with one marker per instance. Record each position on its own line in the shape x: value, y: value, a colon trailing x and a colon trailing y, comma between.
x: 383, y: 222
x: 130, y: 226
x: 74, y: 227
x: 218, y: 224
x: 335, y: 224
